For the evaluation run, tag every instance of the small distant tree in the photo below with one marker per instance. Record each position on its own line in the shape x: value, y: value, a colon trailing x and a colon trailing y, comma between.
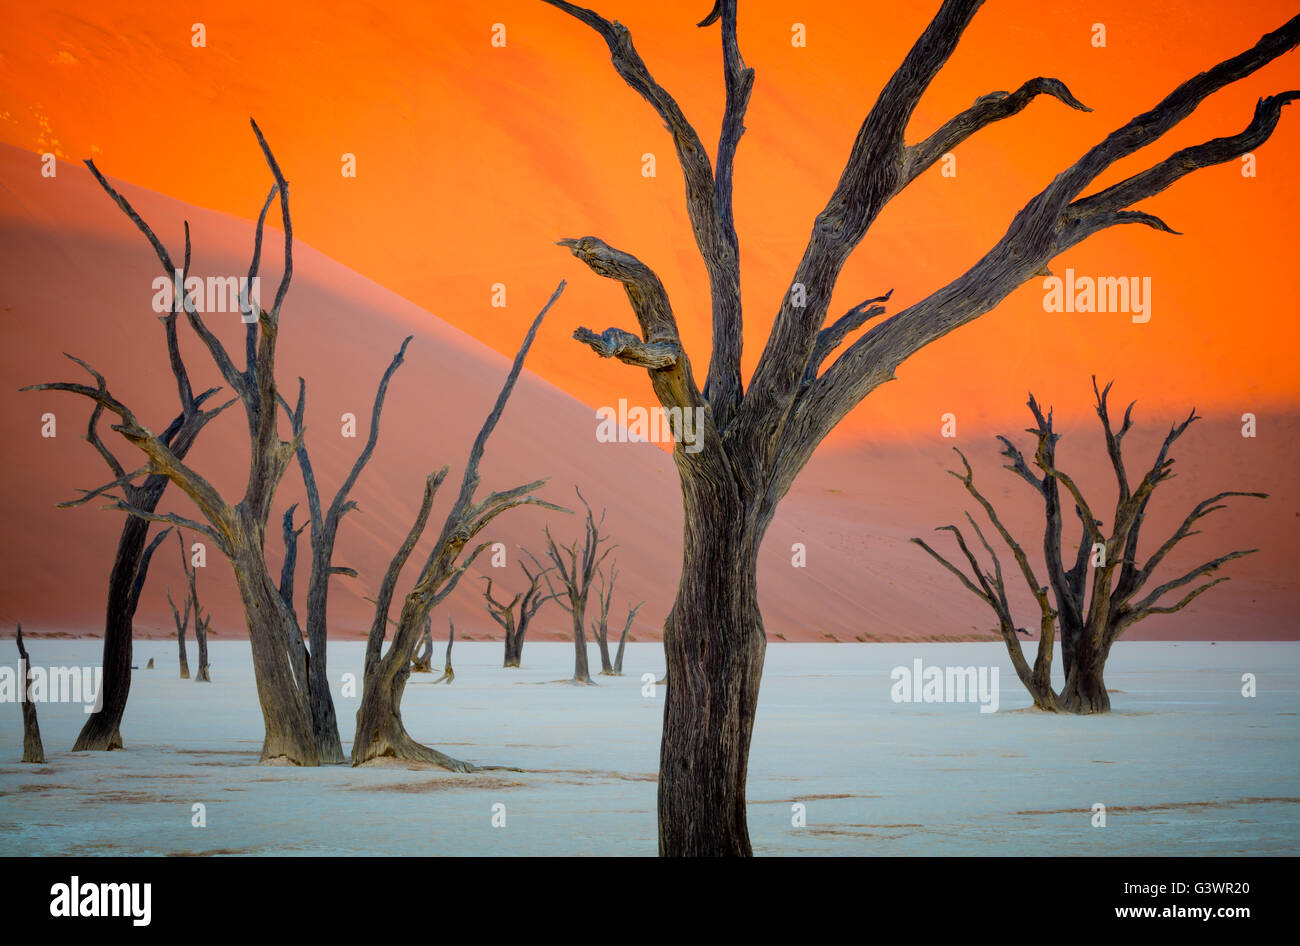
x: 201, y: 621
x: 448, y: 674
x: 529, y: 601
x: 600, y: 627
x: 33, y: 749
x: 182, y: 622
x: 1091, y: 619
x: 575, y: 568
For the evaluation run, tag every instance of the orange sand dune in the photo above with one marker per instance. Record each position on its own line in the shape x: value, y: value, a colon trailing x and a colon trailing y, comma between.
x: 76, y: 277
x: 473, y: 159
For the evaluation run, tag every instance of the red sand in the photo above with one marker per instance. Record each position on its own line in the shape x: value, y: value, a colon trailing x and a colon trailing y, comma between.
x: 77, y: 278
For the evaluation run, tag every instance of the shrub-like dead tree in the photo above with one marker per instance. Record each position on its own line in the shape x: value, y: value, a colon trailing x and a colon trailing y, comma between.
x: 575, y: 569
x: 755, y: 440
x: 33, y: 749
x: 529, y: 601
x: 1091, y: 618
x: 600, y: 627
x: 380, y: 732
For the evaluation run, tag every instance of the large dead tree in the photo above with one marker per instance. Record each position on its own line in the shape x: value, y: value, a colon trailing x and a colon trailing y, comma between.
x: 101, y: 730
x: 1091, y: 618
x: 600, y: 627
x: 529, y: 601
x: 755, y: 441
x: 380, y: 732
x: 238, y: 530
x: 201, y: 621
x: 33, y: 749
x: 575, y: 566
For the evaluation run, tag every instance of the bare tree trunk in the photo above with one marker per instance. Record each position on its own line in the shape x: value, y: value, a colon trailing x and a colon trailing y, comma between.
x: 581, y: 674
x: 201, y: 621
x: 602, y: 642
x: 600, y: 627
x: 125, y: 582
x: 100, y: 731
x: 201, y: 636
x: 622, y: 641
x: 618, y: 656
x: 287, y: 715
x: 33, y: 750
x: 714, y: 643
x: 513, y: 649
x: 182, y: 621
x: 1085, y: 688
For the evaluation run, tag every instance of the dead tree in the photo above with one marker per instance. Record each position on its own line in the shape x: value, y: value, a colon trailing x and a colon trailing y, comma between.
x: 622, y: 640
x: 1091, y: 619
x: 101, y: 730
x: 182, y: 622
x: 380, y: 732
x: 238, y: 530
x: 600, y: 627
x: 448, y: 674
x: 575, y: 568
x: 33, y: 749
x: 324, y: 534
x: 529, y: 601
x: 753, y: 442
x: 201, y: 621
x: 993, y: 592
